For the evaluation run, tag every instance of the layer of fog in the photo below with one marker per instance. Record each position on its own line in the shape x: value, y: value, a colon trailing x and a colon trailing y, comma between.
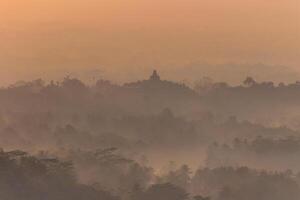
x: 204, y: 140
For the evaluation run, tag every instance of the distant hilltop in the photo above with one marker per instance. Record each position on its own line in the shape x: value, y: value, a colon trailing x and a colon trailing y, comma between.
x: 156, y: 86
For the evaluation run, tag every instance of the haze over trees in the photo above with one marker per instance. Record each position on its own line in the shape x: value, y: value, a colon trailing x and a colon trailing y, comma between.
x: 149, y: 140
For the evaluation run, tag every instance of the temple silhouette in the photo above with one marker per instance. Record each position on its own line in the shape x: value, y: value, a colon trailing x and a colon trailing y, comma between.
x: 154, y: 84
x: 154, y: 76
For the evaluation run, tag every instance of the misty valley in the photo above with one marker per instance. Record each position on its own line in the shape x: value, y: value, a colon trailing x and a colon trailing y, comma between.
x: 152, y: 139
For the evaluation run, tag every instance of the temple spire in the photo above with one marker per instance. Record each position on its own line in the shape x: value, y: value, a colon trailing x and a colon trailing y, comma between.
x: 155, y: 76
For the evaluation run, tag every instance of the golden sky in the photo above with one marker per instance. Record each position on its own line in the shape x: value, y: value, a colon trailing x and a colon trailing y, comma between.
x: 47, y: 37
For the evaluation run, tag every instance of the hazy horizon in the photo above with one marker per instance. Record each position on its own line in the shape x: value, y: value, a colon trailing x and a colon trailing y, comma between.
x: 126, y: 38
x: 231, y: 73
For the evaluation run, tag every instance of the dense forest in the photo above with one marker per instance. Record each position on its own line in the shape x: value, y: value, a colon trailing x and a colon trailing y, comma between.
x: 149, y: 140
